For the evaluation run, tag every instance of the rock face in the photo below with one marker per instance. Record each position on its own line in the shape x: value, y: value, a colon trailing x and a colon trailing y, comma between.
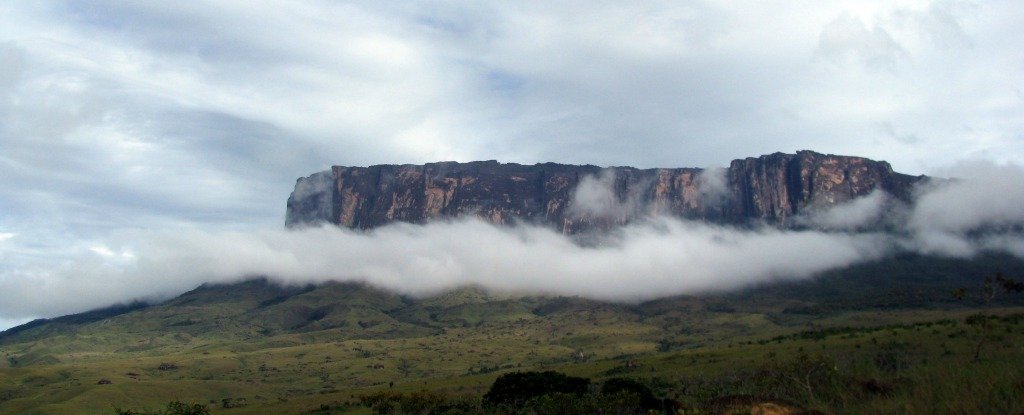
x: 771, y: 189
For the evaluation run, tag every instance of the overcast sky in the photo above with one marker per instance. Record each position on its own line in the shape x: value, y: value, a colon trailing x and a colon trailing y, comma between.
x: 172, y: 116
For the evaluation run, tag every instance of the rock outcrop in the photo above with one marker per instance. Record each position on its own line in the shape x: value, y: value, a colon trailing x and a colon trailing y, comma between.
x: 772, y: 189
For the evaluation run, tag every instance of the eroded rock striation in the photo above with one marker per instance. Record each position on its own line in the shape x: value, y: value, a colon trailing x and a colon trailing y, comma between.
x: 772, y: 189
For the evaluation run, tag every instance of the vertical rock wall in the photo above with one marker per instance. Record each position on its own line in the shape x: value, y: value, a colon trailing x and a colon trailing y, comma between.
x: 770, y: 189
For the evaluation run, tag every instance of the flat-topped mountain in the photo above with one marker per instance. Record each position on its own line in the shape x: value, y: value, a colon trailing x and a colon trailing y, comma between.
x: 771, y: 189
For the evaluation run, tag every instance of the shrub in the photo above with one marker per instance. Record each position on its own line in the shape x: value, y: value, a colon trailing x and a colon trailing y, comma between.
x: 422, y: 402
x: 646, y: 397
x: 173, y: 408
x: 515, y: 389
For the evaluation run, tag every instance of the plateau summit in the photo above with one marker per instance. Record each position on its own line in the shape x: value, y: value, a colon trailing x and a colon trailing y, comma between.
x: 772, y: 189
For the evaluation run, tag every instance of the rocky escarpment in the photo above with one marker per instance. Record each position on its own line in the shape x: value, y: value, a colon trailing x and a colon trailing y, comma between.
x: 772, y: 189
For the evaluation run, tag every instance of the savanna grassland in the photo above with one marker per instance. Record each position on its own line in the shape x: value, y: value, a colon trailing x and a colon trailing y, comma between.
x: 897, y: 336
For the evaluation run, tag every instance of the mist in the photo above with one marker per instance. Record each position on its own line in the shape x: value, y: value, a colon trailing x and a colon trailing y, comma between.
x: 714, y: 186
x: 868, y: 212
x: 983, y: 209
x: 655, y: 258
x: 649, y: 258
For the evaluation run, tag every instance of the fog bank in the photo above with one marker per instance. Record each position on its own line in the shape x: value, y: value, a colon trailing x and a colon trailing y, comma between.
x: 655, y: 258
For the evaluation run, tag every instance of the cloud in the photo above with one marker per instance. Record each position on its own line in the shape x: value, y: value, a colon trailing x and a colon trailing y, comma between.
x: 866, y: 212
x: 648, y: 260
x: 600, y: 197
x: 982, y: 209
x: 983, y: 195
x: 847, y: 36
x: 714, y: 186
x: 595, y: 196
x: 12, y: 67
x: 604, y: 201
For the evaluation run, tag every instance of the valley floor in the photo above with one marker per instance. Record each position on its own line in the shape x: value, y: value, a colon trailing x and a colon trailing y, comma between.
x: 894, y: 361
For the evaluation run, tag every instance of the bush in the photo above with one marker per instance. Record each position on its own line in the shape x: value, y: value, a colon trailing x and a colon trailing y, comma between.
x: 181, y: 408
x: 893, y: 357
x: 515, y: 389
x: 173, y: 408
x: 646, y: 397
x: 423, y: 402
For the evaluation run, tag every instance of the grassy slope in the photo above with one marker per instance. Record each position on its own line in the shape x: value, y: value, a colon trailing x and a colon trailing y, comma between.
x: 287, y: 350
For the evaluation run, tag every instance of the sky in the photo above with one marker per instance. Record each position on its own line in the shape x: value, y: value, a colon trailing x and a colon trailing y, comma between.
x: 123, y: 124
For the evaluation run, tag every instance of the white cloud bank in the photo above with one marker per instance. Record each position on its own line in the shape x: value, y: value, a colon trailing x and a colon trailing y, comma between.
x: 983, y: 210
x: 865, y: 212
x: 649, y: 260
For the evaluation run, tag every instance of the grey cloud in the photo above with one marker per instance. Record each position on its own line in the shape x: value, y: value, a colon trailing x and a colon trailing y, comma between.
x: 597, y: 197
x: 714, y: 186
x: 848, y: 36
x: 889, y: 130
x: 983, y: 209
x: 12, y: 65
x: 862, y: 213
x: 983, y: 195
x: 940, y: 22
x: 686, y: 88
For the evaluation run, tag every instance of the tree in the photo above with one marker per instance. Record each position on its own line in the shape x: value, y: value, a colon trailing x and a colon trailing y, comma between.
x: 615, y: 386
x: 515, y: 389
x: 173, y: 408
x: 404, y: 366
x: 983, y: 322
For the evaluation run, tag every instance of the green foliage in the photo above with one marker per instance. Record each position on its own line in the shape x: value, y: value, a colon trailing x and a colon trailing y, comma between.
x: 643, y: 393
x: 420, y: 403
x: 559, y: 403
x: 515, y: 389
x: 893, y: 357
x: 582, y: 404
x: 982, y: 322
x: 173, y: 408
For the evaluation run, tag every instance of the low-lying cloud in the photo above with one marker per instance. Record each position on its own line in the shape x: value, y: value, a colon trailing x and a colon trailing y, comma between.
x: 984, y: 209
x: 663, y: 256
x: 868, y: 212
x: 651, y: 257
x: 595, y: 196
x: 714, y: 186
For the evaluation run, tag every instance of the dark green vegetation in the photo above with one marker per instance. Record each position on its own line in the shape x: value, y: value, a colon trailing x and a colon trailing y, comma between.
x: 887, y: 337
x: 173, y: 408
x: 516, y: 388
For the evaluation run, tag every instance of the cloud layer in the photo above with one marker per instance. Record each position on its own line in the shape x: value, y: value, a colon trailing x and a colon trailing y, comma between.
x: 645, y: 261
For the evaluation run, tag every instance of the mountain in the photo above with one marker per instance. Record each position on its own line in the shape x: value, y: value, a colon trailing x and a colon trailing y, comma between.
x: 772, y: 189
x: 906, y: 333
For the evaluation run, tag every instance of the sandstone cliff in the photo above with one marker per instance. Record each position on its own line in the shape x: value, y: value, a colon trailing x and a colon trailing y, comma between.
x: 771, y: 189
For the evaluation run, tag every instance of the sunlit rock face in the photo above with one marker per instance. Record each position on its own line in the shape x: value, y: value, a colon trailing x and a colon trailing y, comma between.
x: 777, y: 187
x: 771, y: 189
